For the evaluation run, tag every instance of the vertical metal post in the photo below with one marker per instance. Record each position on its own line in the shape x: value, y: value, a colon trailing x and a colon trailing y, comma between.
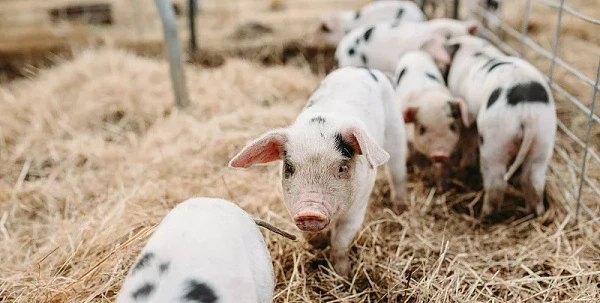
x: 167, y: 16
x: 456, y: 8
x: 524, y: 26
x: 192, y: 9
x: 587, y: 142
x: 556, y: 37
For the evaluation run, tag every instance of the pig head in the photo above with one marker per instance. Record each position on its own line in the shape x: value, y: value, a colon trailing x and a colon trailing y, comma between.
x: 322, y: 167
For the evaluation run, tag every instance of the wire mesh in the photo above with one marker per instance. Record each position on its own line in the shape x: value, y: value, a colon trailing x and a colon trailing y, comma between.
x: 522, y: 35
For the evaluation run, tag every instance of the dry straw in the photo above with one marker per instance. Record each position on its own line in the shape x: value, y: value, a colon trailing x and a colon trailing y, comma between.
x: 94, y: 155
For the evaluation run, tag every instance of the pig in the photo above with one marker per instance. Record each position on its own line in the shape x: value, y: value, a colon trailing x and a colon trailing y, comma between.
x: 489, y: 9
x: 333, y: 26
x: 380, y: 46
x: 330, y: 154
x: 438, y: 118
x: 516, y: 118
x: 204, y: 250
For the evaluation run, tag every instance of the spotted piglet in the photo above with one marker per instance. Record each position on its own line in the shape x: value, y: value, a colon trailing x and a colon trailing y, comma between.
x: 516, y: 118
x: 380, y: 46
x: 333, y: 26
x: 350, y: 126
x: 204, y: 250
x: 435, y: 119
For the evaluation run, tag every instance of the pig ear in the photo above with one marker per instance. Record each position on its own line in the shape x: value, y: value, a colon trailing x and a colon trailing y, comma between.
x: 365, y: 145
x: 267, y: 148
x: 471, y: 27
x: 435, y: 48
x: 410, y: 114
x: 465, y: 114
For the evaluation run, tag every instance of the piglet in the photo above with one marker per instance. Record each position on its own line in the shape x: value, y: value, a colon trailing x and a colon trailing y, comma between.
x: 516, y: 118
x: 437, y: 119
x: 204, y: 250
x: 330, y: 154
x: 333, y: 26
x: 380, y: 46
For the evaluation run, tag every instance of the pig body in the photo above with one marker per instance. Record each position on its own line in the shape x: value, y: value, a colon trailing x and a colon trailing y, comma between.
x: 334, y: 26
x: 331, y: 153
x: 204, y: 250
x: 516, y: 119
x: 435, y: 119
x: 380, y: 46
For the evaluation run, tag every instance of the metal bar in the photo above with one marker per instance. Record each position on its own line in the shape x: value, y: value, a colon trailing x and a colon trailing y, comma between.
x: 572, y: 11
x: 167, y: 16
x: 571, y: 135
x: 536, y: 47
x: 556, y: 37
x: 525, y: 24
x: 456, y: 7
x: 587, y: 142
x: 192, y: 8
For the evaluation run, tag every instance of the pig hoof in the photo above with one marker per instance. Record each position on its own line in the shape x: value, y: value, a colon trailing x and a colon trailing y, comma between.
x: 342, y: 266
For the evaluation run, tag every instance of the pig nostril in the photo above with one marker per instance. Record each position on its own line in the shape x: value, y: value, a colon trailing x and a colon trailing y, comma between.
x: 439, y: 158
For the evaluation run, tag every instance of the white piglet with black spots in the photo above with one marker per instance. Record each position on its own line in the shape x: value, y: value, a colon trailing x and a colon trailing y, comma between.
x: 516, y: 118
x: 330, y: 154
x: 380, y: 46
x: 435, y: 119
x: 204, y: 251
x: 333, y: 26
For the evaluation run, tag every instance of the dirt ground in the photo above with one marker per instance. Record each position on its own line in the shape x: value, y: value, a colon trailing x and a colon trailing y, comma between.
x: 93, y: 154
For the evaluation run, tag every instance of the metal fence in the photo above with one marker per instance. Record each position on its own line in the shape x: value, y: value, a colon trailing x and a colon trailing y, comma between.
x: 590, y: 155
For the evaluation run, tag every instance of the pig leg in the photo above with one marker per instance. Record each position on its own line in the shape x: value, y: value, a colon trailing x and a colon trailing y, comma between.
x: 533, y: 181
x: 344, y: 232
x: 396, y: 166
x: 493, y: 162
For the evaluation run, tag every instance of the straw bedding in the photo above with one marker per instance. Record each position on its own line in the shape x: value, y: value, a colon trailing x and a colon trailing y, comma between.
x: 93, y: 155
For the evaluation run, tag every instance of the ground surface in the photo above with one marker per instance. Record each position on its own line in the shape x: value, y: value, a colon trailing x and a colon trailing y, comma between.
x: 93, y: 154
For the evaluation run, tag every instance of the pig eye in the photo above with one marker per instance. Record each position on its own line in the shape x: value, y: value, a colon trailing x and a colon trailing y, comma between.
x: 344, y: 170
x: 325, y: 28
x: 453, y: 127
x: 422, y: 130
x: 288, y: 169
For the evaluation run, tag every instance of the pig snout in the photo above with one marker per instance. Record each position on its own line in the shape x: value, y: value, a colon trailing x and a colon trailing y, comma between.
x: 311, y: 213
x: 311, y: 220
x: 440, y: 157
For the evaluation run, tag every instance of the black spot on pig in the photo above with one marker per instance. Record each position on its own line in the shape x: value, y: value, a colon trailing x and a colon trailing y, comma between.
x: 357, y: 15
x: 496, y: 65
x: 345, y: 148
x: 351, y: 51
x: 363, y: 58
x: 402, y: 73
x: 163, y: 267
x: 368, y: 33
x: 478, y: 54
x: 143, y: 292
x: 454, y: 109
x: 400, y: 13
x: 494, y: 97
x: 143, y: 261
x: 199, y: 292
x: 527, y: 92
x: 432, y: 77
x: 318, y: 119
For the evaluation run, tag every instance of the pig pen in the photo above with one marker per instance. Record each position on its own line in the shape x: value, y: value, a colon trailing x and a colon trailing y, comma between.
x: 93, y: 154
